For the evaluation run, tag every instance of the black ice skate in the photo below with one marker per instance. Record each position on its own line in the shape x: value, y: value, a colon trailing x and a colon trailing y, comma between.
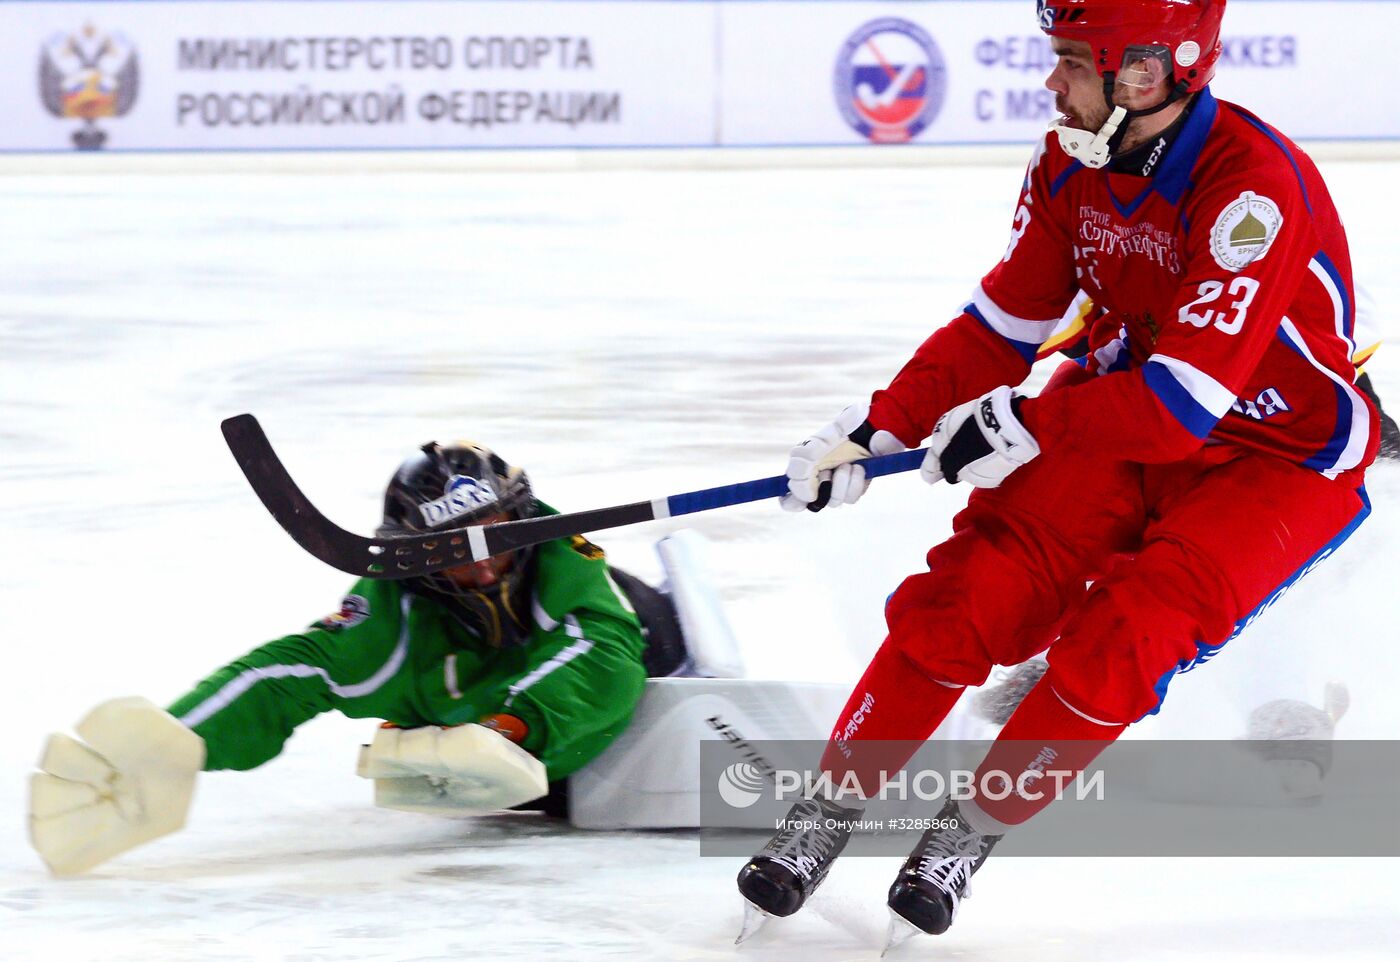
x: 936, y: 877
x: 781, y: 876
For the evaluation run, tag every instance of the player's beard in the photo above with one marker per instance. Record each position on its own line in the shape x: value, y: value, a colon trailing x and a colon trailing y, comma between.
x: 1090, y: 119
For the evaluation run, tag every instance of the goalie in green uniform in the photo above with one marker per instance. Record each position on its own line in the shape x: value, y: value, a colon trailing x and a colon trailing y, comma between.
x: 493, y: 679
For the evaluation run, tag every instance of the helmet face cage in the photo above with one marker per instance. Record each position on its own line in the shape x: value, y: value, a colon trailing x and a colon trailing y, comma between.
x: 1187, y: 32
x: 454, y: 485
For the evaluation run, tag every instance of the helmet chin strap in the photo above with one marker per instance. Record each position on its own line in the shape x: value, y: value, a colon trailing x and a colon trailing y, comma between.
x: 1095, y: 150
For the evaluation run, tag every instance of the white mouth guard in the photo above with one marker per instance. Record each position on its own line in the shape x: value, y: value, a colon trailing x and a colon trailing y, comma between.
x: 1090, y: 149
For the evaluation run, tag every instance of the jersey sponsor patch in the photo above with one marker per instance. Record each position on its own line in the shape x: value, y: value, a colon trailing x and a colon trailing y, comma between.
x: 510, y: 726
x: 354, y: 609
x: 1244, y: 231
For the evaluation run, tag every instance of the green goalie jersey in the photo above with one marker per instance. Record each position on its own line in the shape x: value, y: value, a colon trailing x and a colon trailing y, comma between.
x: 398, y: 656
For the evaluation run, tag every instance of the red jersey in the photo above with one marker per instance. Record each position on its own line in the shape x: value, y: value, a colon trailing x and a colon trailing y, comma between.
x: 1228, y: 307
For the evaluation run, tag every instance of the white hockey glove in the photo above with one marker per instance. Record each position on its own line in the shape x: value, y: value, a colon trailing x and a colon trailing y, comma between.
x: 980, y: 442
x: 820, y: 472
x: 128, y: 781
x: 461, y: 770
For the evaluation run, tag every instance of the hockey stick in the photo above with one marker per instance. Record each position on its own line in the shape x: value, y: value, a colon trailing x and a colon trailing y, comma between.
x: 408, y: 556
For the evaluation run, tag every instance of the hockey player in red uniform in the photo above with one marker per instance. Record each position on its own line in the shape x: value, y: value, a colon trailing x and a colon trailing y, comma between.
x: 1206, y: 452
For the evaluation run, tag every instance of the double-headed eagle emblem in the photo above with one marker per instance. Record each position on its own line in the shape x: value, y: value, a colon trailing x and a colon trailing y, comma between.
x: 88, y: 75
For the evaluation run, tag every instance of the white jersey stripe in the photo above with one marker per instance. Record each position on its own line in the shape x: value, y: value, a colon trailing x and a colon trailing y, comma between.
x: 1360, y: 430
x: 1088, y: 718
x: 1009, y: 325
x: 239, y: 685
x: 1111, y: 353
x: 1338, y: 308
x: 580, y: 647
x: 1208, y: 392
x: 542, y: 617
x: 449, y: 676
x: 621, y: 595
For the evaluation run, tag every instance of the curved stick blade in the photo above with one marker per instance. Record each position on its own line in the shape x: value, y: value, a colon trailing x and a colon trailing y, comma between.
x: 285, y: 502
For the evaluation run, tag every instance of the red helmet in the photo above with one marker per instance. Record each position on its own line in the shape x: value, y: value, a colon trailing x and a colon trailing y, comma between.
x: 1187, y: 32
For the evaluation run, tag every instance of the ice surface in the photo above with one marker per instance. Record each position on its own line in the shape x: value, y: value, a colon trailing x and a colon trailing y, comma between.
x: 625, y: 335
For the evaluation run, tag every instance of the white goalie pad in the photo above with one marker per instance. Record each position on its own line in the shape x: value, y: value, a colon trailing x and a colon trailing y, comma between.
x: 648, y: 778
x: 463, y: 770
x: 709, y: 639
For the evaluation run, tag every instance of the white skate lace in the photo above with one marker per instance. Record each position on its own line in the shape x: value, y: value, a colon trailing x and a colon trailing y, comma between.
x: 804, y: 850
x: 947, y: 862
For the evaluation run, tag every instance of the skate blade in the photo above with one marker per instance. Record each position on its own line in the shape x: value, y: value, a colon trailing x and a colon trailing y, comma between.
x: 900, y: 931
x: 754, y: 919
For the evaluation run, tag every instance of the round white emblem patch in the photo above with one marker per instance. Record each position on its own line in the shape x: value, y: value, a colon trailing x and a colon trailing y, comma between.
x: 1244, y: 231
x: 354, y: 609
x: 1188, y: 53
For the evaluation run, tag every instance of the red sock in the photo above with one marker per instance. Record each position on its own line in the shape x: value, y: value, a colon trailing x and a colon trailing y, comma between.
x: 892, y: 711
x: 1045, y: 735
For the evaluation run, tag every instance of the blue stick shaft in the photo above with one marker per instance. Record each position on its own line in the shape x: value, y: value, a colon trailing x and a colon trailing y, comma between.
x: 744, y: 492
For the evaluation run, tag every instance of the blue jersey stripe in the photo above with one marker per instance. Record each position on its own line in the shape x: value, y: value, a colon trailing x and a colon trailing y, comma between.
x: 1327, y: 458
x: 1258, y: 124
x: 1130, y: 208
x: 1204, y: 651
x: 1348, y: 307
x: 1125, y: 359
x: 1178, y: 400
x: 1173, y: 177
x: 1122, y: 360
x: 1064, y: 177
x: 1026, y: 350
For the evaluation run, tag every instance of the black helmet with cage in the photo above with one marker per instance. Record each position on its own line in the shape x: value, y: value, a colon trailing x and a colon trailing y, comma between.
x: 457, y: 484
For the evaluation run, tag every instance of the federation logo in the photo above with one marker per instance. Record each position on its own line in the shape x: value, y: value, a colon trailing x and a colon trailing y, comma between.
x: 890, y: 80
x: 741, y: 784
x: 87, y: 75
x: 1244, y: 231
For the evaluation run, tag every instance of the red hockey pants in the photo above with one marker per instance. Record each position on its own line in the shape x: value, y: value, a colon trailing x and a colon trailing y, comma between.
x: 1181, y: 556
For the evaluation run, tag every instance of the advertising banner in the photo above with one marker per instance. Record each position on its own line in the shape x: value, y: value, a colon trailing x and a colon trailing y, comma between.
x: 412, y: 74
x: 973, y: 72
x: 302, y: 74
